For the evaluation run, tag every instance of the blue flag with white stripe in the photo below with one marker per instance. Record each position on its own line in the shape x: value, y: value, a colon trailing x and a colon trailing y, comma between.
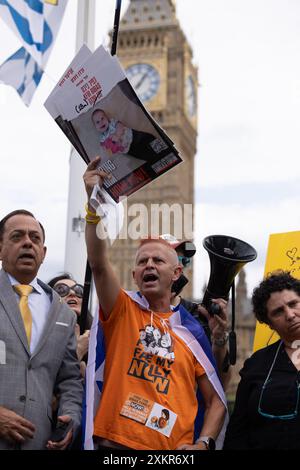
x: 22, y: 72
x: 36, y: 24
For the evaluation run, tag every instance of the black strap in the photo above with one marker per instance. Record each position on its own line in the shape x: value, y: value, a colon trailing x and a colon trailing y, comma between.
x: 232, y: 334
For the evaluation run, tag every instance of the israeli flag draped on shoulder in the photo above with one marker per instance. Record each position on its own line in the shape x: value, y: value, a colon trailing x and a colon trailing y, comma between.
x: 187, y: 328
x: 36, y: 24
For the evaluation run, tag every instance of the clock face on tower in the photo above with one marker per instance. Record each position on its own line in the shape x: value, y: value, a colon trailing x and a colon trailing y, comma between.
x: 145, y: 80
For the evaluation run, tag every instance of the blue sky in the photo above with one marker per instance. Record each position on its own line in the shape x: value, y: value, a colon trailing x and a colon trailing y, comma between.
x: 247, y: 165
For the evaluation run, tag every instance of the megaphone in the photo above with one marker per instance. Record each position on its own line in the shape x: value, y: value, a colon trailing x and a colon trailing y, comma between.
x: 227, y: 257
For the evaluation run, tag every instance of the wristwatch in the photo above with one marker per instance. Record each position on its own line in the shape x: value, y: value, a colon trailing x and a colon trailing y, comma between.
x: 208, y: 441
x: 220, y: 342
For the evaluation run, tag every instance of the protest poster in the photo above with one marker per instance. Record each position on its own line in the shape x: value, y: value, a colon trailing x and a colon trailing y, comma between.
x: 100, y: 113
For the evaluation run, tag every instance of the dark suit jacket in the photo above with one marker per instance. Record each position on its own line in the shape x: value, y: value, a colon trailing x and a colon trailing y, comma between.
x: 28, y: 382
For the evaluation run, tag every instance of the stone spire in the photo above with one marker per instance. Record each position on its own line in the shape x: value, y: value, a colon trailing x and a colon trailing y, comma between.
x: 241, y: 292
x: 149, y: 13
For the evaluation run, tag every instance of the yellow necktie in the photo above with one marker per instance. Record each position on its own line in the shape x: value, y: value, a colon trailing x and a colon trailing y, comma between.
x: 23, y: 291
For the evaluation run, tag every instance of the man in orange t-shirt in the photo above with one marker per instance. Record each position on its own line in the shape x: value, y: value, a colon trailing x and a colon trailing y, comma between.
x: 151, y: 375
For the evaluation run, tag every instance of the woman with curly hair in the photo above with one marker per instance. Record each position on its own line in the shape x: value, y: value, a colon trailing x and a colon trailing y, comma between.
x: 266, y: 413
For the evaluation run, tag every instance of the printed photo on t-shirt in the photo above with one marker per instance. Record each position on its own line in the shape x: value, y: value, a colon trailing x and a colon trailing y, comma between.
x: 161, y: 420
x: 156, y: 342
x: 153, y: 358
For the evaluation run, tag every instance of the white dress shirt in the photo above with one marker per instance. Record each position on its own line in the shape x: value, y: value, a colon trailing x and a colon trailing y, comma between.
x: 39, y: 303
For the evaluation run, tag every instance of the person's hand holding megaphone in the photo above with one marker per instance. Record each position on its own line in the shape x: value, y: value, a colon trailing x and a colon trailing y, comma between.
x: 218, y: 324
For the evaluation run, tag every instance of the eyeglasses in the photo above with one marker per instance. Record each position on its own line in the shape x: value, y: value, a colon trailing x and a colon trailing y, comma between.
x: 184, y: 260
x: 63, y: 289
x: 267, y: 382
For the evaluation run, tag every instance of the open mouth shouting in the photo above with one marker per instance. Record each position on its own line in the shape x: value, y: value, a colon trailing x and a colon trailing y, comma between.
x: 149, y: 279
x: 26, y: 258
x: 74, y: 305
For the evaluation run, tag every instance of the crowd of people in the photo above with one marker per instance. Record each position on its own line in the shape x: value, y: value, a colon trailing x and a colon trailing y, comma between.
x: 163, y: 380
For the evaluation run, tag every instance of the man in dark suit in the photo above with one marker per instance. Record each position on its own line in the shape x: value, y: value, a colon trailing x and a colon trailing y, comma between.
x: 38, y: 346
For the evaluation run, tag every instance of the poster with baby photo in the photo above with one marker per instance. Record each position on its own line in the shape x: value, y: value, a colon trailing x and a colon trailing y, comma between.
x: 161, y: 420
x: 104, y: 116
x: 51, y: 103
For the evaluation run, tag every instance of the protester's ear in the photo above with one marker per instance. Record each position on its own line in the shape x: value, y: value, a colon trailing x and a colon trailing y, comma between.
x: 45, y: 251
x: 177, y: 272
x: 0, y: 251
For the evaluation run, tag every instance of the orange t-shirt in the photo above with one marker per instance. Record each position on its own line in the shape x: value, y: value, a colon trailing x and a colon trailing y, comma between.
x: 147, y: 368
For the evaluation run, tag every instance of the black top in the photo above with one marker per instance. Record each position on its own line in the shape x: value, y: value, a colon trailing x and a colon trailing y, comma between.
x: 247, y: 429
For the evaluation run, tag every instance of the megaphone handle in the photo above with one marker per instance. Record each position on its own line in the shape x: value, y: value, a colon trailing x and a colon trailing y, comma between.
x: 232, y: 348
x: 232, y: 306
x: 232, y: 335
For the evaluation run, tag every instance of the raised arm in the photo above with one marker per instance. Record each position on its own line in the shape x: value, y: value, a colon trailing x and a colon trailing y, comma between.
x: 106, y: 281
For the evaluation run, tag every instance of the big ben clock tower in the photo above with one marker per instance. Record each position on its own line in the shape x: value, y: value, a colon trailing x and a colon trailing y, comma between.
x: 158, y: 62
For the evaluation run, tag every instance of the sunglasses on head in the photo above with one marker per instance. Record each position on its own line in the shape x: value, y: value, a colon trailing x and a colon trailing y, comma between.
x: 63, y: 289
x: 184, y: 260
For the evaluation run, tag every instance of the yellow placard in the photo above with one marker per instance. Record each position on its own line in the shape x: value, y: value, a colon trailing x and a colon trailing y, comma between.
x: 52, y: 2
x: 283, y: 254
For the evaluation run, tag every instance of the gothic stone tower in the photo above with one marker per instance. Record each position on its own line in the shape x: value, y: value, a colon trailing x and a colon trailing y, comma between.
x: 158, y: 61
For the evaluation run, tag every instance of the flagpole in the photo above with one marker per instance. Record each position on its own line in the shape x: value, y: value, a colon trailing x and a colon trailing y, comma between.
x: 85, y: 31
x: 116, y: 27
x: 88, y: 271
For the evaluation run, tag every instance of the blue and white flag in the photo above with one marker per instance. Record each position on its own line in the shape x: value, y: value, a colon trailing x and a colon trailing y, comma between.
x: 22, y: 72
x: 187, y: 328
x: 36, y: 24
x: 93, y: 381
